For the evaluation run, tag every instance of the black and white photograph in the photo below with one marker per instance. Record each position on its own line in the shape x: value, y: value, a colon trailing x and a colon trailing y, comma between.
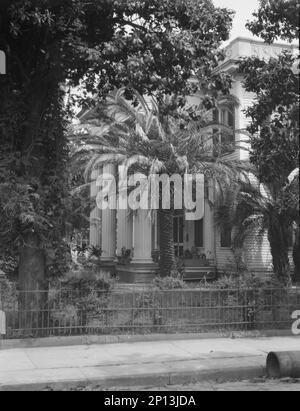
x: 149, y: 198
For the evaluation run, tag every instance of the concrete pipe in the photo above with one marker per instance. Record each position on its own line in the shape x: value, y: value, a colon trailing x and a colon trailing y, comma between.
x: 283, y: 364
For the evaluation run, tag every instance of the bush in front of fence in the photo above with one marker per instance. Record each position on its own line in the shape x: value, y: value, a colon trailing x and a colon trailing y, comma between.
x: 91, y: 305
x: 266, y: 303
x: 169, y: 305
x: 231, y: 303
x: 8, y: 294
x: 77, y: 302
x: 169, y: 283
x: 69, y: 307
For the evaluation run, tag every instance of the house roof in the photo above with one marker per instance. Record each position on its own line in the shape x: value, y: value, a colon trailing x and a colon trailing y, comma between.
x: 247, y: 47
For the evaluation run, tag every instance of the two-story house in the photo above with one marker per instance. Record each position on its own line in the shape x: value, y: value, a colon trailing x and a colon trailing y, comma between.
x: 202, y: 246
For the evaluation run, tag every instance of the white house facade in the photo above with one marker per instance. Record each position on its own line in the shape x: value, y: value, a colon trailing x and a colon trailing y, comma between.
x: 201, y: 246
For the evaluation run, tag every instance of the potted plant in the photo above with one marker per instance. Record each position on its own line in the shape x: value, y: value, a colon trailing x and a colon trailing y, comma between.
x: 125, y: 257
x: 193, y: 258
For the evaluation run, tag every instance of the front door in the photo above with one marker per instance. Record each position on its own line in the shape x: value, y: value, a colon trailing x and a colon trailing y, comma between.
x: 178, y: 236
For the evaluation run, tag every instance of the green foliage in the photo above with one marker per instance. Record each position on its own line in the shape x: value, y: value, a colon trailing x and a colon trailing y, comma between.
x: 254, y: 210
x: 50, y: 45
x: 169, y: 283
x: 247, y: 281
x: 33, y: 197
x: 276, y: 19
x: 252, y: 294
x: 274, y: 124
x: 8, y: 294
x: 8, y: 265
x: 125, y: 257
x: 58, y: 259
x: 236, y: 265
x: 148, y: 306
x: 88, y: 263
x: 78, y: 300
x: 274, y: 127
x: 87, y: 282
x: 149, y: 45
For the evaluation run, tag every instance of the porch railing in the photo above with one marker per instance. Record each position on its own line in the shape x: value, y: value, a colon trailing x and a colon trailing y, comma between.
x: 74, y: 312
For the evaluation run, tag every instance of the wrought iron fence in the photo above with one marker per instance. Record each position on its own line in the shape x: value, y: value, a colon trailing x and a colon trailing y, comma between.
x: 74, y: 312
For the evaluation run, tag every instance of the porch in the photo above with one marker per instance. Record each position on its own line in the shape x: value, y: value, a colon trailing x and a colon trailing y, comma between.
x: 129, y: 241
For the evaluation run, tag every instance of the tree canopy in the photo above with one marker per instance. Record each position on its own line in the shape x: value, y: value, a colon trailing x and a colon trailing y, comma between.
x: 148, y: 45
x: 152, y: 46
x: 276, y: 19
x: 274, y: 126
x: 274, y: 115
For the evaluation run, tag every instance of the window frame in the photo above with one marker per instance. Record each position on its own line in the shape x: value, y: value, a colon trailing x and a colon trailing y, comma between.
x: 224, y: 231
x: 197, y: 235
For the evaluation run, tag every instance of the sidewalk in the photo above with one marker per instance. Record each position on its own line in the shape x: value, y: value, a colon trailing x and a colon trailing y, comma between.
x: 156, y: 363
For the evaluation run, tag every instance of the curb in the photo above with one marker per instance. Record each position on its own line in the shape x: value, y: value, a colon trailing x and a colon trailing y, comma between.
x: 147, y: 380
x: 118, y: 339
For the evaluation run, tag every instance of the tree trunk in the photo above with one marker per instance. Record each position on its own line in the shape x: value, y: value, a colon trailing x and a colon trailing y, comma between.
x: 32, y: 258
x: 167, y: 262
x: 278, y: 238
x: 296, y: 258
x: 32, y: 287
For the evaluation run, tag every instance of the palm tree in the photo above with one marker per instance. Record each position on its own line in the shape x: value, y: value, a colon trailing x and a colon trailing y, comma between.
x: 290, y: 205
x: 144, y: 139
x: 260, y: 209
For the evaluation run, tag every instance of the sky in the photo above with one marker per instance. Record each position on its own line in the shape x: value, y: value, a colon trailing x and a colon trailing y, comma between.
x: 244, y: 10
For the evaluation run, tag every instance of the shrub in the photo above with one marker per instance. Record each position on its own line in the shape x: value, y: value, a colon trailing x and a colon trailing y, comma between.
x: 8, y: 294
x: 169, y: 283
x: 8, y: 265
x: 242, y: 282
x: 149, y: 306
x: 78, y: 299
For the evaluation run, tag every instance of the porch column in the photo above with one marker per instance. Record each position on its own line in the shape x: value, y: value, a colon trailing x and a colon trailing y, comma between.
x: 95, y: 215
x: 209, y: 222
x: 109, y: 225
x: 155, y: 232
x: 142, y: 228
x: 124, y: 230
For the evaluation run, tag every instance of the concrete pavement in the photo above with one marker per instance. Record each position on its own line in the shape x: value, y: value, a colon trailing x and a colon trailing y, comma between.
x: 138, y: 363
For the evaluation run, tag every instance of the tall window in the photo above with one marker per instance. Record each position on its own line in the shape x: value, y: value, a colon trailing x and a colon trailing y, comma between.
x: 226, y: 240
x: 199, y: 233
x: 231, y: 119
x: 225, y: 117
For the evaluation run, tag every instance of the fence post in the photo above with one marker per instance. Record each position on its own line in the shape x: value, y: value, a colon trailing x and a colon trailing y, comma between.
x: 2, y: 62
x: 2, y: 318
x: 2, y: 326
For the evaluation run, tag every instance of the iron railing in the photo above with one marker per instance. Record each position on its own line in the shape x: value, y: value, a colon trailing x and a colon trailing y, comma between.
x: 74, y: 312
